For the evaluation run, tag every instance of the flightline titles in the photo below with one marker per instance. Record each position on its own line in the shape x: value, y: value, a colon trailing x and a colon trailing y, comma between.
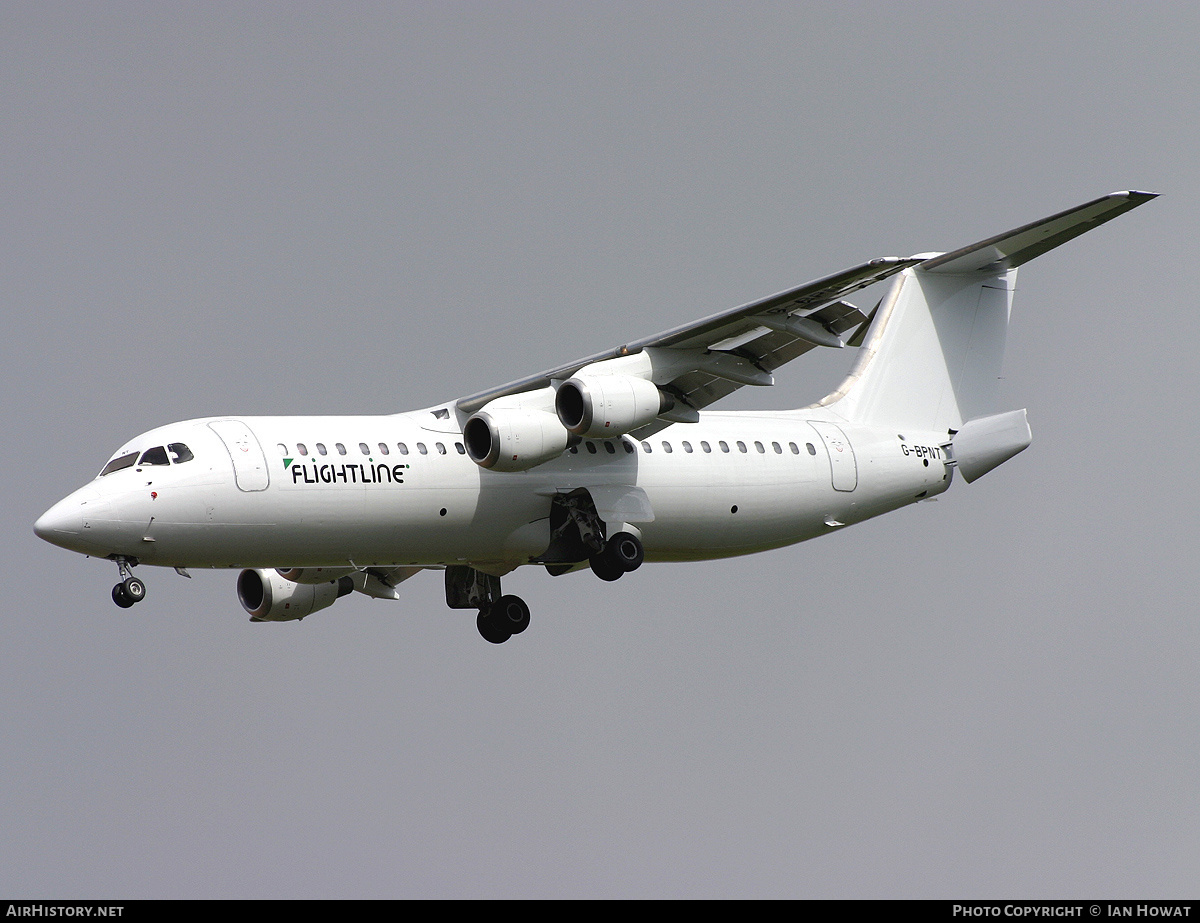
x: 349, y: 473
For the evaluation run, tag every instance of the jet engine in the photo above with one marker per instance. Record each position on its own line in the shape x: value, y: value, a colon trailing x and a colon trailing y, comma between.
x: 511, y: 439
x: 608, y: 405
x: 268, y: 597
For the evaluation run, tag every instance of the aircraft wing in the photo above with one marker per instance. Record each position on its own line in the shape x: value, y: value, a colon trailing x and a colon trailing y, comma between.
x: 756, y: 338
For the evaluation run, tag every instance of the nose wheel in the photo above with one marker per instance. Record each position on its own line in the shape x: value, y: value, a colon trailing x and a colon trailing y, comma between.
x: 130, y: 590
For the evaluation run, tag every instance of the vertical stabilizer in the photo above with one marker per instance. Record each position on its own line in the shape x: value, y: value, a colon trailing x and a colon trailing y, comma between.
x: 933, y: 354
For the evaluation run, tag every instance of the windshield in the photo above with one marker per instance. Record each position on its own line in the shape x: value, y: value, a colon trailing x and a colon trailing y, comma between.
x: 121, y: 461
x: 176, y: 453
x: 155, y: 456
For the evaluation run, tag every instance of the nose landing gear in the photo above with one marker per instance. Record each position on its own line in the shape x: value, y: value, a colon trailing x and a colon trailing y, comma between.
x: 130, y: 590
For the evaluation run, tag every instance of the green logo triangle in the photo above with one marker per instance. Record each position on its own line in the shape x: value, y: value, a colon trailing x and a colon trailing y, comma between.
x: 287, y: 462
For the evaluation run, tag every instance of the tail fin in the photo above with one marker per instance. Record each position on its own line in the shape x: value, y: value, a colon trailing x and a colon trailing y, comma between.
x: 933, y: 352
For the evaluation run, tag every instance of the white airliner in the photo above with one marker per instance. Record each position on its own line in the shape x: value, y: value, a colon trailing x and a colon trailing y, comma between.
x: 603, y: 462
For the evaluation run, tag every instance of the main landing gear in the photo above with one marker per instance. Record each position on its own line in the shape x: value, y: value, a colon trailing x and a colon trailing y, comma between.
x: 130, y: 590
x: 503, y: 615
x: 621, y: 554
x: 499, y: 621
x: 500, y: 615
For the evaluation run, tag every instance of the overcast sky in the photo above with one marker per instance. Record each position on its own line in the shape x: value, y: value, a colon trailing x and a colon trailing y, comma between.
x: 291, y: 208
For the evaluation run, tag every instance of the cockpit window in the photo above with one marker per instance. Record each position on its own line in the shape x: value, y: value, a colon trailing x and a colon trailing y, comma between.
x: 180, y: 453
x: 155, y: 456
x: 176, y: 452
x: 121, y: 461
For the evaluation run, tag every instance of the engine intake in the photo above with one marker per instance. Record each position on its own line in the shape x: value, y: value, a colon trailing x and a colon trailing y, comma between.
x: 514, y: 440
x: 608, y: 405
x: 268, y: 597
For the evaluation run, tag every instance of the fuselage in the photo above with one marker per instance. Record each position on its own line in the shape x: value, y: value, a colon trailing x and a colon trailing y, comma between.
x: 374, y: 491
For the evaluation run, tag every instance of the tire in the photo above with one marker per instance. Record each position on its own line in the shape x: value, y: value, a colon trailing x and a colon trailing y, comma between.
x: 134, y: 589
x: 512, y: 613
x: 605, y: 569
x: 491, y: 629
x: 625, y: 550
x: 120, y: 597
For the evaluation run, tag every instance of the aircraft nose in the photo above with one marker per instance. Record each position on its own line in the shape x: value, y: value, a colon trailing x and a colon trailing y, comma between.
x: 62, y: 523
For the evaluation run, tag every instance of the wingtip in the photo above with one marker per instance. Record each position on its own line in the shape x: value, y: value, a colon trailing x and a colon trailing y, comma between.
x: 1136, y: 195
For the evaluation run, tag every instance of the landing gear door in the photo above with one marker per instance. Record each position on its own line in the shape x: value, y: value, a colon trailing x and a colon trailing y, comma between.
x: 843, y: 467
x: 249, y: 462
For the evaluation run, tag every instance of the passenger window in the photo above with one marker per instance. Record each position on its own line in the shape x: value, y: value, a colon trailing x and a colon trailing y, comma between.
x: 705, y: 446
x: 609, y: 448
x: 155, y: 456
x: 321, y: 449
x: 574, y: 450
x: 402, y: 447
x: 591, y: 447
x: 741, y: 446
x: 667, y: 447
x: 341, y: 449
x: 795, y: 449
x: 646, y: 448
x: 687, y: 447
x: 724, y: 445
x: 628, y: 446
x: 759, y: 446
x: 301, y: 448
x: 461, y: 450
x: 362, y: 447
x: 441, y: 448
x: 421, y: 448
x: 122, y: 461
x: 282, y: 449
x: 777, y: 447
x: 383, y: 449
x: 812, y: 449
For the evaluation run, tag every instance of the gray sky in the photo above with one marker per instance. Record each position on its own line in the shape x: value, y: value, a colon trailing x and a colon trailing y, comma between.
x: 274, y: 208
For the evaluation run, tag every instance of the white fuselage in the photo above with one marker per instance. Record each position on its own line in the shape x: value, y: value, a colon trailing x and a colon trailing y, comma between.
x: 278, y: 492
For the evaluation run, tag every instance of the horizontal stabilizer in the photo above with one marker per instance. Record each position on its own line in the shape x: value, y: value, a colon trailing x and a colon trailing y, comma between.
x: 988, y: 442
x: 1011, y: 249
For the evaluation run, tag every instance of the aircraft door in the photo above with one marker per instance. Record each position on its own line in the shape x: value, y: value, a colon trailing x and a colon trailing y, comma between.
x: 843, y: 467
x: 249, y: 462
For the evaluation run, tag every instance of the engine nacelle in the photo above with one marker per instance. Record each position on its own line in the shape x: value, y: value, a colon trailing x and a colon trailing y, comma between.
x: 268, y: 597
x: 510, y: 439
x: 608, y: 405
x: 314, y: 574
